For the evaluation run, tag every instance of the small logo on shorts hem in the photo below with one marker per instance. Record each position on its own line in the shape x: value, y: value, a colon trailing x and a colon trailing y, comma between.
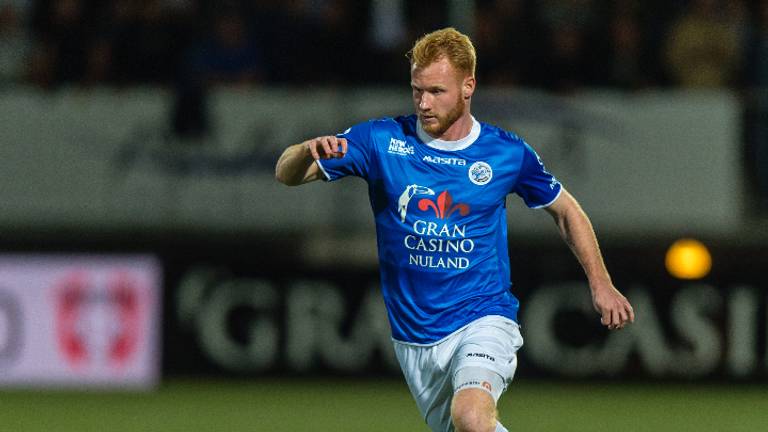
x: 475, y: 384
x: 469, y: 384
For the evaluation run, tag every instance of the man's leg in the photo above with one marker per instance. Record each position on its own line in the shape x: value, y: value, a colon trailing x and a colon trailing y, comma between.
x: 432, y: 389
x: 473, y: 408
x: 484, y: 364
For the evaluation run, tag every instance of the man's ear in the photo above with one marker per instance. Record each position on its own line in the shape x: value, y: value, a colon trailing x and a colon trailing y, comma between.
x: 468, y: 87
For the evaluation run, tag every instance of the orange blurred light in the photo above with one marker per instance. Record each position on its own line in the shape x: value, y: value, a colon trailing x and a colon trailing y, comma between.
x: 688, y: 259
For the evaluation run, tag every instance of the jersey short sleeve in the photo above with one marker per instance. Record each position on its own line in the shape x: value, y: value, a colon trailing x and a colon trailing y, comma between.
x: 535, y: 185
x: 357, y: 161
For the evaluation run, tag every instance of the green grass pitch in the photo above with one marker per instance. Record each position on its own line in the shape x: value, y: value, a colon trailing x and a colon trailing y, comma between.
x: 370, y: 406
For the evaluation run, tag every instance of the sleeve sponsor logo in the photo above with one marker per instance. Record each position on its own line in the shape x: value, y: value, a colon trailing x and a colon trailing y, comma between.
x: 553, y: 184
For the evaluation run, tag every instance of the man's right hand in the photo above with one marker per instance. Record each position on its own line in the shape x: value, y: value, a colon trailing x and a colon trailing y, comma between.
x: 326, y: 147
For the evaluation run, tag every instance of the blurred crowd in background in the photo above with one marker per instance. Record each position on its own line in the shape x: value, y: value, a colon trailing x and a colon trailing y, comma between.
x: 559, y: 45
x: 555, y: 45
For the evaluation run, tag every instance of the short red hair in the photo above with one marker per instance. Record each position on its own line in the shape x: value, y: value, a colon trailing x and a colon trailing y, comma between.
x: 448, y: 43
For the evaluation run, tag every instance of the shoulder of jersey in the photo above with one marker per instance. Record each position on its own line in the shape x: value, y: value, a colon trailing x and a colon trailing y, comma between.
x: 388, y: 123
x: 377, y: 125
x: 404, y: 122
x: 503, y: 134
x: 392, y: 125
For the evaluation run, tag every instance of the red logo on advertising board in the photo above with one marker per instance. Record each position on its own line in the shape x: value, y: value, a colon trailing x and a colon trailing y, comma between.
x: 97, y: 322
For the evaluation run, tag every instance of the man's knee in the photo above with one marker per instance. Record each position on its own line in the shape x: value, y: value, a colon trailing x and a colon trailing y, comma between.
x: 473, y: 410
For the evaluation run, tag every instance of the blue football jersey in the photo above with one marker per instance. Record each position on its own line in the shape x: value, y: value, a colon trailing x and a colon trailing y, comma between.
x: 440, y: 218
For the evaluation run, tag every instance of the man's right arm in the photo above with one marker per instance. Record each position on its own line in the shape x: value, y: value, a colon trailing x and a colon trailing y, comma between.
x: 297, y: 165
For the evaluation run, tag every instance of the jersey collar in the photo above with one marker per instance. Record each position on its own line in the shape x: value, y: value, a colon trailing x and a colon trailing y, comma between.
x: 439, y: 144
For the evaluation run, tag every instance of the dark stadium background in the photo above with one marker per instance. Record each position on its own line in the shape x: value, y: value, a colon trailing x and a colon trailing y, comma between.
x: 151, y: 127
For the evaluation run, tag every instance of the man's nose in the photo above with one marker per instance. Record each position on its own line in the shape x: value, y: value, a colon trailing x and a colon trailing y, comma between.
x: 424, y: 104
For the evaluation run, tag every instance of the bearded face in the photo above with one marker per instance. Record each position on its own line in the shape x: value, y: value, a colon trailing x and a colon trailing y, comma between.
x: 440, y: 97
x: 436, y: 124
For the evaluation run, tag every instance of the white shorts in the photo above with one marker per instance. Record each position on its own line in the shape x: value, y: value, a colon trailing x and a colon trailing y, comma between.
x: 482, y: 354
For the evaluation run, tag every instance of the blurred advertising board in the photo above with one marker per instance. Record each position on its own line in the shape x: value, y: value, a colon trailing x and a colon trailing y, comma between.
x: 80, y: 321
x: 288, y: 319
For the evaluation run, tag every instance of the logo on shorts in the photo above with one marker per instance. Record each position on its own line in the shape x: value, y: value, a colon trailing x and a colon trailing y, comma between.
x: 482, y: 355
x: 468, y: 384
x: 485, y: 384
x: 480, y: 173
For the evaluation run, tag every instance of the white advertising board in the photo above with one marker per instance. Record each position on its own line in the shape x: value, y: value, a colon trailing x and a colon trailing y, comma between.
x: 79, y: 321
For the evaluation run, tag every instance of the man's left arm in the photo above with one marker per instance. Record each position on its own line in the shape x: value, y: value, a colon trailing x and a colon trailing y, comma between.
x: 576, y: 230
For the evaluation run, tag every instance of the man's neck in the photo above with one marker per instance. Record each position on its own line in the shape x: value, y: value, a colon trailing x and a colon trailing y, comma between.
x: 459, y: 129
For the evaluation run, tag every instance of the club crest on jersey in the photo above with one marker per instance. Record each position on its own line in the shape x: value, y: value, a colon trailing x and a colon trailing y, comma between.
x: 480, y: 173
x: 399, y: 147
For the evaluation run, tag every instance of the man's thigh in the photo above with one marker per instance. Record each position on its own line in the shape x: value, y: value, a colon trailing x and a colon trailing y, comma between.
x: 475, y: 355
x: 484, y: 365
x: 427, y: 373
x: 486, y: 357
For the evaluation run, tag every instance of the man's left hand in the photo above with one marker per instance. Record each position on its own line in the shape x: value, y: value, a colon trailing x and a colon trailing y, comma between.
x: 614, y: 308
